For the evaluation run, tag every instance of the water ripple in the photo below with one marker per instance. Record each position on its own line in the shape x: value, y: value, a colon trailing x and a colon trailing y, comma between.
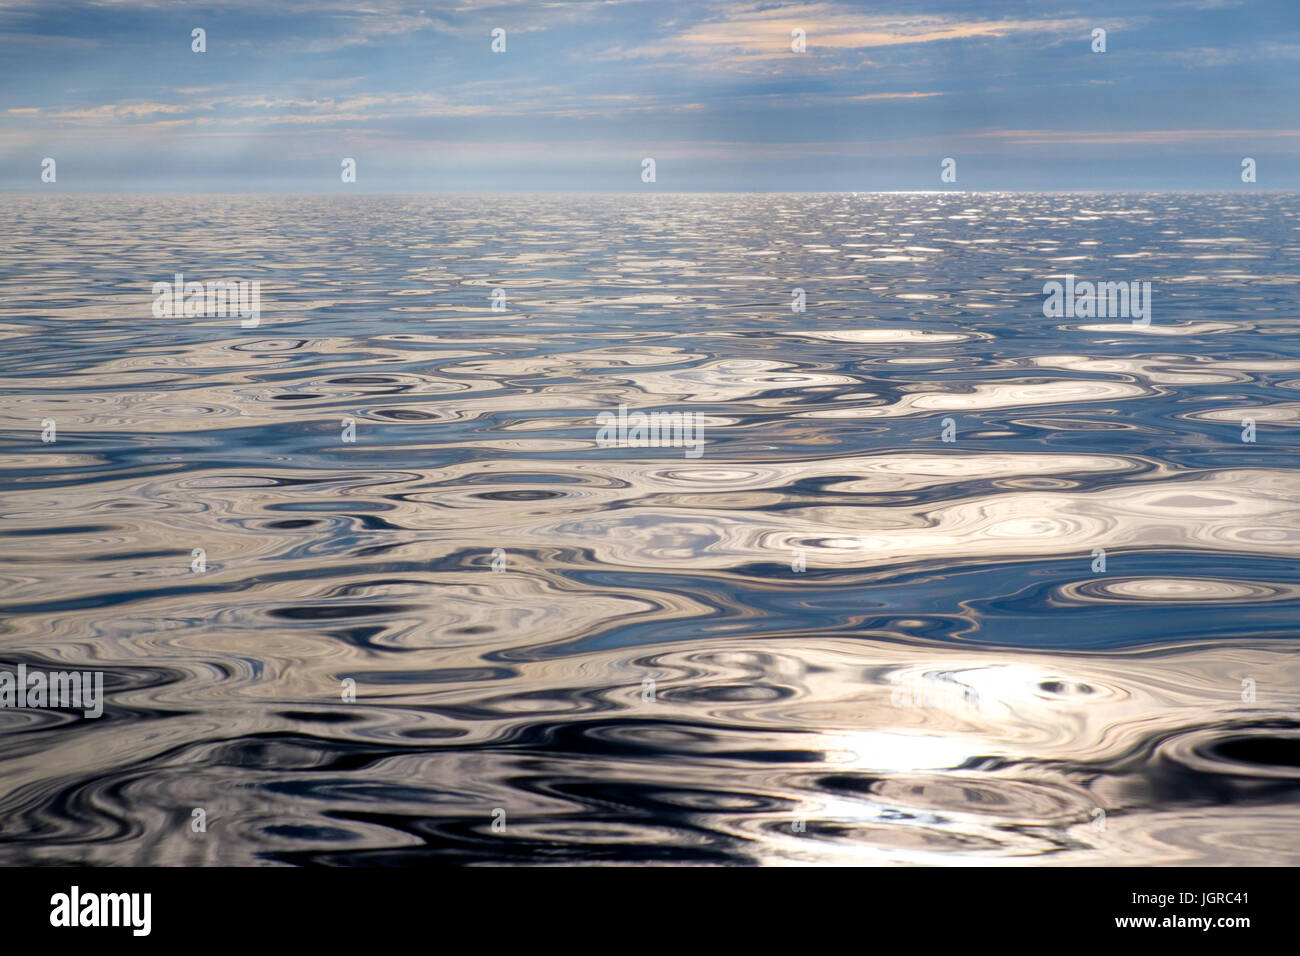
x: 366, y: 587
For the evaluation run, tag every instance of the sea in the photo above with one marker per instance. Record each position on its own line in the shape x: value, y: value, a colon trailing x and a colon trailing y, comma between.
x: 888, y: 560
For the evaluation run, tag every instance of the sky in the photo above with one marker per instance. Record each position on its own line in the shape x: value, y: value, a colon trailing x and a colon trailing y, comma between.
x: 587, y: 89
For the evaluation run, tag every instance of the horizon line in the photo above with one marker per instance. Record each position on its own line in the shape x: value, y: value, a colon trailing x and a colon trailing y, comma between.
x: 656, y: 192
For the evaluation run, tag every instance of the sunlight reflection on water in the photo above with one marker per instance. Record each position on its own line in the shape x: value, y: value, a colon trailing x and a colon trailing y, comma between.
x: 617, y: 646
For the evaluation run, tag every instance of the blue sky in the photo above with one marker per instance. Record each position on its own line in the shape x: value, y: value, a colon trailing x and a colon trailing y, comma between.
x: 587, y: 89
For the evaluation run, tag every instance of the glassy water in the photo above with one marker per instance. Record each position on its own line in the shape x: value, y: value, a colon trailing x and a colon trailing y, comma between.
x: 1066, y: 635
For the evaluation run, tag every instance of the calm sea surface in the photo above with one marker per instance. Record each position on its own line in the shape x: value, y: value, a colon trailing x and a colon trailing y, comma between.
x: 1068, y: 635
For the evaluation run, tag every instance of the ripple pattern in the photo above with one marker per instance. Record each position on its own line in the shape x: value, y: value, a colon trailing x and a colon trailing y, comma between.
x: 460, y: 629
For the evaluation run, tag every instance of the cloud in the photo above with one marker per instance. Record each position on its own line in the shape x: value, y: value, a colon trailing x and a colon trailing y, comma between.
x: 749, y: 33
x: 268, y: 112
x: 896, y: 96
x: 1033, y: 137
